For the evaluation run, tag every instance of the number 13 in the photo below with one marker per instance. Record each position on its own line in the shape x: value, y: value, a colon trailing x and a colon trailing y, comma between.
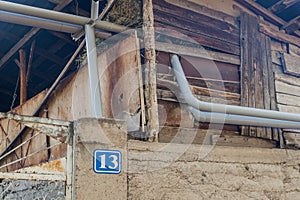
x: 113, y: 161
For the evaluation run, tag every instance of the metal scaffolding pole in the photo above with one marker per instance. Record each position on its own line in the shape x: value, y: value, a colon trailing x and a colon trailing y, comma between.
x: 58, y: 16
x: 93, y: 64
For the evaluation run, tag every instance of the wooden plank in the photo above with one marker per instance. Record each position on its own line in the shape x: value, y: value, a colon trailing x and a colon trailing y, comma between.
x: 287, y: 99
x: 291, y: 64
x: 197, y: 52
x: 224, y: 86
x: 276, y: 133
x: 277, y: 35
x: 221, y: 137
x: 257, y: 82
x: 200, y: 39
x: 263, y: 84
x: 23, y: 81
x: 197, y: 17
x: 282, y: 5
x: 150, y: 70
x: 170, y: 96
x: 196, y: 67
x: 30, y: 59
x: 252, y: 40
x: 291, y: 80
x: 259, y: 10
x: 165, y: 84
x: 200, y: 68
x: 288, y: 108
x: 292, y: 25
x: 286, y: 88
x: 294, y: 50
x: 176, y: 19
x: 276, y: 57
x: 196, y: 7
x: 174, y: 114
x: 244, y: 70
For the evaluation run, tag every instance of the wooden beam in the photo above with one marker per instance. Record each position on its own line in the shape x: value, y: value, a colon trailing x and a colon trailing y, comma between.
x: 63, y: 37
x: 150, y: 70
x: 27, y: 37
x: 198, y: 52
x: 23, y: 85
x: 292, y: 25
x: 258, y: 9
x: 281, y: 5
x: 30, y: 61
x: 278, y: 35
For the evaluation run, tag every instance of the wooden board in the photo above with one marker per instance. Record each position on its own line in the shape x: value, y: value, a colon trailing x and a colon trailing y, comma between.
x: 204, y: 29
x: 197, y: 52
x: 257, y: 81
x: 291, y: 64
x: 221, y: 137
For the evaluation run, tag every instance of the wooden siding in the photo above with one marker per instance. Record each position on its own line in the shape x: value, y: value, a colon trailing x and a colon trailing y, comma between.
x: 257, y: 79
x: 205, y: 30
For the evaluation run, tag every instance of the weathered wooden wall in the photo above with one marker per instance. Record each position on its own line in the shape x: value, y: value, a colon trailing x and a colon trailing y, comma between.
x: 285, y: 58
x: 119, y: 71
x: 208, y: 42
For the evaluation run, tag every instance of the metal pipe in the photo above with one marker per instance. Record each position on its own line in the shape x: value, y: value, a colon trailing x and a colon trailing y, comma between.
x: 241, y: 120
x: 38, y: 22
x: 93, y: 71
x: 58, y: 16
x: 95, y: 10
x: 222, y: 108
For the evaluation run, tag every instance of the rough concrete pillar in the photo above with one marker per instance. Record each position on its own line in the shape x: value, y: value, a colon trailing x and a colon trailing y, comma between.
x: 102, y: 134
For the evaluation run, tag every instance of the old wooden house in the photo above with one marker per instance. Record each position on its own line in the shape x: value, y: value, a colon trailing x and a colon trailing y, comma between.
x: 190, y: 92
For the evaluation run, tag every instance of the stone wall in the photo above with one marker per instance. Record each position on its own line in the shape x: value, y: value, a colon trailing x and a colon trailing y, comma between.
x: 28, y: 189
x: 225, y: 173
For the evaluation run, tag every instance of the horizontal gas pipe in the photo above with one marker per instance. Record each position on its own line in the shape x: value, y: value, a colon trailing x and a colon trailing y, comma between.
x: 58, y: 16
x: 222, y: 108
x: 242, y: 120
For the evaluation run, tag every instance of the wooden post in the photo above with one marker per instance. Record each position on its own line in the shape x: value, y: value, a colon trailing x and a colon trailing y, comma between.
x: 150, y: 70
x: 23, y: 82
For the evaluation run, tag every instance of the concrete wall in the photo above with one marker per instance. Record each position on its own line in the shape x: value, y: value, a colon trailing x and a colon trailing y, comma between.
x: 226, y: 172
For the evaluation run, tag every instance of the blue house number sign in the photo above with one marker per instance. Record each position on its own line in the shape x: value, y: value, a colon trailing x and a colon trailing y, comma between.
x: 107, y: 161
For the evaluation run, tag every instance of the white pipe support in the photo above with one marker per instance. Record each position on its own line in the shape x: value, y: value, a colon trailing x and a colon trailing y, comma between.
x: 93, y: 71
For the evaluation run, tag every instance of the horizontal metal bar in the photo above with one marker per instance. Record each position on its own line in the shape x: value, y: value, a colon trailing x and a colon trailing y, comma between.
x: 26, y: 20
x: 223, y: 108
x: 58, y: 16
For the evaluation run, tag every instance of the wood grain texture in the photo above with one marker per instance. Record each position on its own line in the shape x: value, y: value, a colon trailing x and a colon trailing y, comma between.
x: 257, y: 79
x: 291, y: 64
x: 204, y: 29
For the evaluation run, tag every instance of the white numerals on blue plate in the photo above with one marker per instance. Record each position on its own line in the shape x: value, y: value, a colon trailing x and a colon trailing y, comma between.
x: 107, y: 161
